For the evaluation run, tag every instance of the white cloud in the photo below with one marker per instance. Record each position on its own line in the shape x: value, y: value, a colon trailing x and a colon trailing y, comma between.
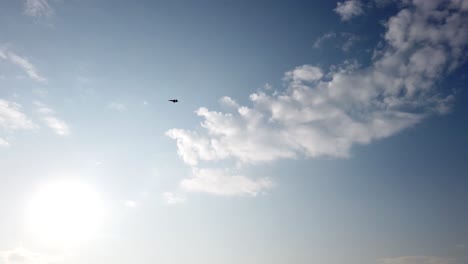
x: 417, y: 260
x: 173, y: 198
x: 21, y: 255
x: 326, y: 114
x: 267, y: 87
x: 59, y: 126
x: 219, y: 182
x: 305, y: 73
x: 130, y: 203
x: 228, y: 101
x: 117, y: 106
x: 316, y: 117
x: 23, y: 63
x: 37, y: 8
x: 11, y: 117
x: 349, y: 9
x: 4, y: 143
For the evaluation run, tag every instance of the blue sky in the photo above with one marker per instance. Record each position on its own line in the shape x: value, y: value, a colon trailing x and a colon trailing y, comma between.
x: 306, y: 132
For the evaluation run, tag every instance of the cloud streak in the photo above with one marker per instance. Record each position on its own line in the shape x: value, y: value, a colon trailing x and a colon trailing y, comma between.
x: 12, y: 119
x: 59, y: 126
x: 326, y: 113
x: 22, y: 62
x: 346, y: 40
x: 220, y: 182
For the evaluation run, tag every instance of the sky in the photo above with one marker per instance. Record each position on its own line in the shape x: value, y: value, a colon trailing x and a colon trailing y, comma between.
x: 331, y: 132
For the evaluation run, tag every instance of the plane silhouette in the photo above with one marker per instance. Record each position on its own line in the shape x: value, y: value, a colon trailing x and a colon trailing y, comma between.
x: 173, y: 100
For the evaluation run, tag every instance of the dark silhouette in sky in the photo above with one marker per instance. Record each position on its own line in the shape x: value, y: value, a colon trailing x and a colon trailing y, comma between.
x: 173, y: 100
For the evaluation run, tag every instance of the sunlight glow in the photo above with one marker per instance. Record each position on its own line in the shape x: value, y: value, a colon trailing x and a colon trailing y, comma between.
x: 65, y: 213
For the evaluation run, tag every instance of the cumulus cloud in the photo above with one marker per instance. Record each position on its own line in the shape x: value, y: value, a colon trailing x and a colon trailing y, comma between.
x: 326, y: 113
x: 349, y: 9
x: 417, y: 260
x: 305, y: 73
x: 23, y: 63
x: 59, y: 126
x: 38, y: 8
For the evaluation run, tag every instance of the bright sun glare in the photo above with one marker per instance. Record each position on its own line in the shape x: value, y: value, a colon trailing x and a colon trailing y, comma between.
x: 65, y: 212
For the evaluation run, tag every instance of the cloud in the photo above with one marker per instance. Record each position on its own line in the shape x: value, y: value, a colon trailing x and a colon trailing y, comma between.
x: 320, y: 40
x: 417, y: 260
x: 305, y: 73
x: 59, y: 126
x: 228, y: 101
x: 346, y: 40
x: 220, y: 182
x: 326, y: 113
x: 130, y: 203
x: 117, y: 106
x: 173, y: 198
x: 349, y: 9
x: 21, y: 255
x: 11, y: 117
x: 4, y: 143
x: 23, y: 63
x: 37, y: 8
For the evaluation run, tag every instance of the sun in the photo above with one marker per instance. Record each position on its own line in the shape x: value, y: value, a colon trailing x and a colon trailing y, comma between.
x: 65, y: 212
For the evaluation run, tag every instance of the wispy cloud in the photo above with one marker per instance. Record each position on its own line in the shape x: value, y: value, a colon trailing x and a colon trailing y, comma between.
x: 4, y: 143
x: 12, y: 119
x: 326, y: 113
x: 349, y: 9
x: 173, y: 198
x: 117, y: 106
x: 59, y: 126
x: 320, y: 40
x: 22, y: 62
x: 21, y: 255
x: 38, y: 8
x: 342, y: 40
x: 221, y: 182
x: 130, y: 203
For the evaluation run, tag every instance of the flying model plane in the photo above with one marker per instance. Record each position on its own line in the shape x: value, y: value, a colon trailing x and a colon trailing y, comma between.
x: 173, y: 100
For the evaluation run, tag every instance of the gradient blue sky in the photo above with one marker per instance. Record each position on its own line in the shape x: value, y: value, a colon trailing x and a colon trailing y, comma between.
x: 306, y: 131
